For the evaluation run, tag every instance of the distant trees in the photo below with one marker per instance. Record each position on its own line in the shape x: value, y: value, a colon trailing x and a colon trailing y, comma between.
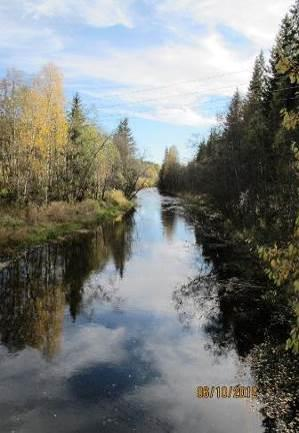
x: 49, y: 154
x: 169, y: 174
x: 131, y: 168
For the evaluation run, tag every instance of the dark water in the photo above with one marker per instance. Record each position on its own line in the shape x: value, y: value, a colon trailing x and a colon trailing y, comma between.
x: 102, y: 334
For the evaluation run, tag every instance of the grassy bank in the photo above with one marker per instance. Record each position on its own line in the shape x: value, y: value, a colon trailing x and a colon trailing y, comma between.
x: 32, y: 225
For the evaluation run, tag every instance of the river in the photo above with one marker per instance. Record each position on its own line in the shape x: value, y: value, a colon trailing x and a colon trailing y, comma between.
x: 102, y: 333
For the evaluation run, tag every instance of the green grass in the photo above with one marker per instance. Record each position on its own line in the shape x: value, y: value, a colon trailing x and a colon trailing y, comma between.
x: 22, y: 227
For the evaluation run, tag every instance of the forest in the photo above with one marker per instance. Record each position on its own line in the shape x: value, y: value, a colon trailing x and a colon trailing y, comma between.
x: 248, y: 167
x: 48, y: 154
x: 59, y: 170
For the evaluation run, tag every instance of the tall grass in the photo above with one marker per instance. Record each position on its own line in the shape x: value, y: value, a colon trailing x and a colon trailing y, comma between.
x: 35, y: 224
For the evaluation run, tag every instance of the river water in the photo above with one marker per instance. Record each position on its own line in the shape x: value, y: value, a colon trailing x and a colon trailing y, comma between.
x: 103, y: 333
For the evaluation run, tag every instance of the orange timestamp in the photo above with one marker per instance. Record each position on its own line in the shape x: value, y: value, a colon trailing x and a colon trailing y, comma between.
x: 226, y: 391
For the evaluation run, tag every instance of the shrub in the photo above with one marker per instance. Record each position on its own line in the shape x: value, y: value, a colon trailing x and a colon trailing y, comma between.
x: 10, y: 221
x: 117, y: 198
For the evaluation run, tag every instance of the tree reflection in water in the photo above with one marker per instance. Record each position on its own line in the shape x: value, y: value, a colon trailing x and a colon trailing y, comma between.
x: 237, y: 314
x: 169, y: 218
x: 36, y: 288
x: 197, y: 302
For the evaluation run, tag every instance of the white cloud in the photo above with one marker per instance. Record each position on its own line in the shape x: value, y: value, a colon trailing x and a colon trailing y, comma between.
x: 255, y: 19
x: 84, y: 347
x: 20, y: 35
x: 181, y: 369
x: 170, y: 80
x: 167, y: 81
x: 97, y: 13
x: 92, y: 345
x: 179, y: 116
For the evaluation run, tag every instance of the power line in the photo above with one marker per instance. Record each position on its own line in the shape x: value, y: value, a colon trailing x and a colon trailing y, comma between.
x: 175, y: 83
x: 139, y: 115
x: 146, y: 101
x: 191, y: 92
x: 152, y: 88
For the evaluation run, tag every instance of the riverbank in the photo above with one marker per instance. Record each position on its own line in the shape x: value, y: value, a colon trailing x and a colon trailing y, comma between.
x: 256, y: 316
x: 33, y: 225
x: 247, y: 288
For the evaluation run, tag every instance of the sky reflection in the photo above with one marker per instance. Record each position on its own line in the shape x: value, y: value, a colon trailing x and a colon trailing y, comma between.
x: 125, y: 360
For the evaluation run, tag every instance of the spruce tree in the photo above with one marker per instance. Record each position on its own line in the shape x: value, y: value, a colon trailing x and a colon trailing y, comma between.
x: 76, y: 147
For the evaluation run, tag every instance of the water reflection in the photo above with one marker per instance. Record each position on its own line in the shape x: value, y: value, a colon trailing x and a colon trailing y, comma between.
x: 35, y: 290
x: 32, y: 307
x: 113, y: 331
x: 197, y: 302
x: 241, y: 314
x: 169, y: 217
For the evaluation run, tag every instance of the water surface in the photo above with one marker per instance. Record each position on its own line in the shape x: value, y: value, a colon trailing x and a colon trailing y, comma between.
x: 102, y: 334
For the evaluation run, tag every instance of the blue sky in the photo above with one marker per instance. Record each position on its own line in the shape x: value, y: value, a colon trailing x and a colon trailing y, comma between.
x: 169, y: 65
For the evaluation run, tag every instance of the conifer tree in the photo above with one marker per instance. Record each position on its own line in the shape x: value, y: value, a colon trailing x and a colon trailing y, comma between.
x: 76, y: 147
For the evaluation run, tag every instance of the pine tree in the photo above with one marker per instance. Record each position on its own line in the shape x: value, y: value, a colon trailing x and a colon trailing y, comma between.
x: 233, y: 139
x: 75, y: 152
x: 257, y: 86
x: 76, y: 120
x: 280, y: 92
x: 125, y: 142
x: 257, y: 148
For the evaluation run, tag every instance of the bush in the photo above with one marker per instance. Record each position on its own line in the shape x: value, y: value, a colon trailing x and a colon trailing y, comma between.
x: 88, y: 208
x: 57, y: 211
x: 117, y: 198
x: 10, y: 221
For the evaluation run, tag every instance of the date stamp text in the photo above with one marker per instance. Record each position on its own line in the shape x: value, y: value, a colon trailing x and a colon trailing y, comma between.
x: 226, y: 391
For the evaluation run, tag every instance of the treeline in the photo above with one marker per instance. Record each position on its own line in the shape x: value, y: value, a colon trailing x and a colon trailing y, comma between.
x: 248, y: 166
x: 50, y: 154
